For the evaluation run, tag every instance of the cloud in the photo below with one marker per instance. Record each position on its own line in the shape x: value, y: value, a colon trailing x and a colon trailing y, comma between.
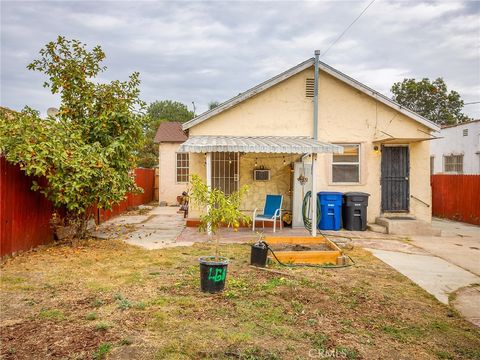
x: 203, y: 51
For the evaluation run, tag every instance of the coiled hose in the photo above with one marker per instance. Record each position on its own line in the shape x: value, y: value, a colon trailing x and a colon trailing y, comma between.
x: 307, y: 222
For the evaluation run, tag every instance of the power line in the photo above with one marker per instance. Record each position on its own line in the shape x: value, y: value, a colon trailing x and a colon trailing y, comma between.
x: 348, y: 27
x: 471, y: 103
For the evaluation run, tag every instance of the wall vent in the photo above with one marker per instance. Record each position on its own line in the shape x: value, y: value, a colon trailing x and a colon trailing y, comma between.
x: 309, y: 88
x: 261, y: 175
x: 465, y: 132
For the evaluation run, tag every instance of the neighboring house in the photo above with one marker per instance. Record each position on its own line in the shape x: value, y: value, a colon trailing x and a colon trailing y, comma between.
x: 271, y: 127
x: 173, y: 165
x: 458, y: 149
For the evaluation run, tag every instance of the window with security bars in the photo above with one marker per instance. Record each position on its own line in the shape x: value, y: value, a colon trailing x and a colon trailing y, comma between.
x: 346, y: 166
x: 182, y: 167
x: 453, y: 164
x: 225, y: 170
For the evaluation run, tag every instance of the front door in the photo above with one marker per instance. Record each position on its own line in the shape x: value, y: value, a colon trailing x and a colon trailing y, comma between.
x: 394, y: 178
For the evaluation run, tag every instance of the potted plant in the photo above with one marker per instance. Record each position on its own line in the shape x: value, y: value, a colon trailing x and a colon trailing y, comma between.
x: 219, y: 210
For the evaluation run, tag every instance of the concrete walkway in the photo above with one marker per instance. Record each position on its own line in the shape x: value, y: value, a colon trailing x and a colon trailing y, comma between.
x: 437, y: 276
x: 160, y: 230
x: 459, y: 244
x: 446, y: 266
x: 156, y: 228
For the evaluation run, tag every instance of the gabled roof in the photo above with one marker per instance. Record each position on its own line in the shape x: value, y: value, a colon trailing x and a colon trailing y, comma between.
x: 295, y: 70
x: 170, y: 131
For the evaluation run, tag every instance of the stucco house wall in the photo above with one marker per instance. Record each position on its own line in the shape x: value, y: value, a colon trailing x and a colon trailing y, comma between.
x: 453, y: 142
x: 346, y: 115
x: 168, y: 186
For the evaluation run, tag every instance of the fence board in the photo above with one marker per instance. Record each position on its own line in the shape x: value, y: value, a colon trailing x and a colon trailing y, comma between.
x: 456, y: 197
x: 25, y: 214
x: 145, y: 178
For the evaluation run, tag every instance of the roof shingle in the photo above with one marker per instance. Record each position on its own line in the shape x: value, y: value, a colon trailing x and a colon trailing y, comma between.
x: 170, y: 131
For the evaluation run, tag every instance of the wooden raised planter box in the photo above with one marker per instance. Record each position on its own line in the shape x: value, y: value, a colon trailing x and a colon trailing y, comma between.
x: 306, y: 256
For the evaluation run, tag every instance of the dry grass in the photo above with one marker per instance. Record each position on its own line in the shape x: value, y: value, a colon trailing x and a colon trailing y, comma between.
x: 105, y: 299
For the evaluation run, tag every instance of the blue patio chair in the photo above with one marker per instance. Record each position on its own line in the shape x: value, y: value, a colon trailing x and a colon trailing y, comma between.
x: 271, y: 212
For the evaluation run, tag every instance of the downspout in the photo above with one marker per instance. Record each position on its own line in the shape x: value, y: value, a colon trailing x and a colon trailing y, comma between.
x: 315, y: 97
x: 313, y: 198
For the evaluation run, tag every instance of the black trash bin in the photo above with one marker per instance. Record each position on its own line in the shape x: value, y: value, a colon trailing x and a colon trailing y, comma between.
x: 354, y: 211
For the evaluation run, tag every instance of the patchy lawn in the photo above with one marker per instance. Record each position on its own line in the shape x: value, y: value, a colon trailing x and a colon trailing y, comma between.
x: 106, y: 299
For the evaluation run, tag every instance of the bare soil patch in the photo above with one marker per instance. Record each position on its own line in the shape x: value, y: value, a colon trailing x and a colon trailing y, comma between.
x: 299, y: 247
x: 106, y: 299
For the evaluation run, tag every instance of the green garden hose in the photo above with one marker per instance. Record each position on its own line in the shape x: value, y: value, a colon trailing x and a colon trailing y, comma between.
x: 307, y: 222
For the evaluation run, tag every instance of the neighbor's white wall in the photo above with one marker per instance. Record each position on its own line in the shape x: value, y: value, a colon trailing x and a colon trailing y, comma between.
x: 454, y: 143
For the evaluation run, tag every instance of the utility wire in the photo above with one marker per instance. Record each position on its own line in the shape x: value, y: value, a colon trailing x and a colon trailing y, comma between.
x: 348, y: 27
x: 471, y: 103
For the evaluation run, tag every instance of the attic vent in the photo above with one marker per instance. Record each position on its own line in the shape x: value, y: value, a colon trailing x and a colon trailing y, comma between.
x: 465, y: 132
x: 309, y: 88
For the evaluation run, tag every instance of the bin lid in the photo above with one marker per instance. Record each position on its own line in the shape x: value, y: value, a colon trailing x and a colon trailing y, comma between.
x: 353, y: 193
x: 329, y: 193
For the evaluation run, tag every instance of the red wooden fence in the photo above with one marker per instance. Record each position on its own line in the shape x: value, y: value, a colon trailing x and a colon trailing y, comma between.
x: 145, y: 178
x: 456, y: 197
x: 25, y: 214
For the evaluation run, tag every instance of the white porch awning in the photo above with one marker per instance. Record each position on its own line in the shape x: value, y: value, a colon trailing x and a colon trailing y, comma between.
x: 258, y: 144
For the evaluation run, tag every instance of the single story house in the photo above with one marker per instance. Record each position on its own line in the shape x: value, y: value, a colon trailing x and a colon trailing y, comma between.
x: 173, y: 166
x: 457, y: 151
x: 305, y: 125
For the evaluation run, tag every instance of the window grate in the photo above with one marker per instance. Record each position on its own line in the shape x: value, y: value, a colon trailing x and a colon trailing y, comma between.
x: 225, y: 170
x: 310, y: 88
x: 453, y: 164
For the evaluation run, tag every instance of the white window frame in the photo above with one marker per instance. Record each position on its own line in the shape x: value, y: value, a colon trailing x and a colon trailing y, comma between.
x: 359, y: 163
x: 182, y: 167
x: 452, y: 171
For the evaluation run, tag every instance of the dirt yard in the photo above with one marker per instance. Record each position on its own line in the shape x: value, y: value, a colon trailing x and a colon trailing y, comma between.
x: 106, y: 299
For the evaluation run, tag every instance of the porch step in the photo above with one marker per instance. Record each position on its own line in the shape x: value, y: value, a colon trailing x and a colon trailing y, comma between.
x: 403, y: 225
x: 377, y: 228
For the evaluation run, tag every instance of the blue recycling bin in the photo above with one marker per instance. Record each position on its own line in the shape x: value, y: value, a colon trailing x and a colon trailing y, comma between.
x: 331, y: 210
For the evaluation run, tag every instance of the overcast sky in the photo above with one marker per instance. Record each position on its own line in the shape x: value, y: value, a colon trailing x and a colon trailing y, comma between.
x: 203, y: 51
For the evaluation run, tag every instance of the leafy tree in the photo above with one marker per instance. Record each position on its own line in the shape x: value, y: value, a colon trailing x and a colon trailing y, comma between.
x: 430, y: 99
x: 221, y: 209
x: 87, y: 150
x: 157, y: 112
x: 169, y: 110
x: 213, y: 104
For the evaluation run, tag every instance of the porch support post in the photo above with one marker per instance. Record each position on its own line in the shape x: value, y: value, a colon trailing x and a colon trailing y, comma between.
x: 208, y: 169
x: 314, y: 195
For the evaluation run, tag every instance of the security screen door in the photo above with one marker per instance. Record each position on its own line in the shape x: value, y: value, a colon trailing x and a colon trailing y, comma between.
x: 225, y: 171
x: 395, y: 178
